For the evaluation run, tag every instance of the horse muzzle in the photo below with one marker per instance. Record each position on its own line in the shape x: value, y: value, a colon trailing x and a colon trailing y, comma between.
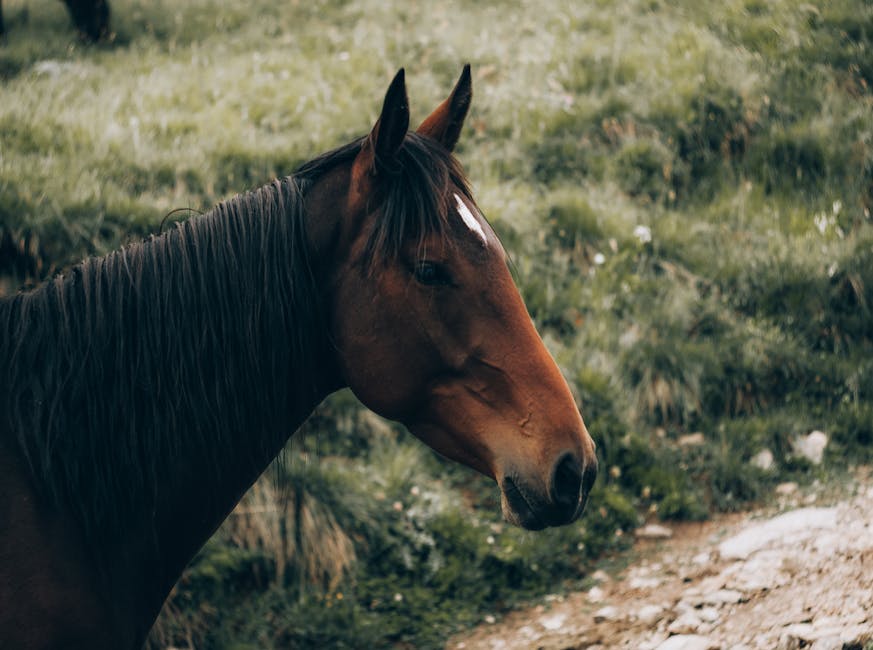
x: 558, y: 501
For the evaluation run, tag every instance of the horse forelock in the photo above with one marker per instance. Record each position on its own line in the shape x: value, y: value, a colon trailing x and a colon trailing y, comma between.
x: 415, y: 197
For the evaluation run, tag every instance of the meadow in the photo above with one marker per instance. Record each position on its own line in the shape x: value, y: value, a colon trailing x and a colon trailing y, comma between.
x: 685, y: 189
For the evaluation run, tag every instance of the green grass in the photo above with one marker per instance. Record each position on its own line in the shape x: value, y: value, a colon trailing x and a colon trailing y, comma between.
x: 684, y: 188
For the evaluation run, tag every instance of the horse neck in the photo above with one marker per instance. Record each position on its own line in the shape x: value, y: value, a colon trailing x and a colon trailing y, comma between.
x: 150, y: 388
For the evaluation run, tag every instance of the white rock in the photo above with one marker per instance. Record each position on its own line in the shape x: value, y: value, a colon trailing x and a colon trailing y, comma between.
x: 600, y: 576
x: 529, y: 633
x: 708, y: 614
x: 687, y: 623
x: 723, y: 597
x: 650, y: 614
x: 688, y: 642
x: 554, y: 622
x: 795, y: 636
x: 691, y: 440
x: 786, y: 489
x: 608, y: 613
x: 828, y: 643
x: 654, y: 531
x: 653, y: 641
x: 802, y: 523
x: 644, y: 582
x: 812, y: 446
x: 763, y: 460
x: 596, y: 595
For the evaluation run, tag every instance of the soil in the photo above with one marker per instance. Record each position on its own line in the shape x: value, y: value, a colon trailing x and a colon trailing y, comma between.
x: 795, y: 574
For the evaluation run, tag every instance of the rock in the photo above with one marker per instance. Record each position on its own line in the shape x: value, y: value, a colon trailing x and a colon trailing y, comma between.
x: 595, y: 595
x: 600, y: 576
x: 608, y: 613
x: 688, y: 642
x: 644, y: 582
x: 762, y: 572
x: 529, y: 633
x: 828, y: 643
x: 553, y: 622
x: 653, y: 641
x: 796, y: 524
x: 786, y: 489
x: 723, y: 597
x: 691, y: 440
x: 763, y: 460
x: 687, y: 623
x: 708, y: 614
x: 795, y: 636
x: 654, y: 531
x: 650, y: 614
x: 812, y: 446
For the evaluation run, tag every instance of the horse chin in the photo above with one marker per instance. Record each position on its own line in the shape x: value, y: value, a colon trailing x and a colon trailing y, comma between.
x: 516, y: 508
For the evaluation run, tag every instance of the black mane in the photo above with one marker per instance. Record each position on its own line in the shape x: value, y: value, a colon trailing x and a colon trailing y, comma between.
x: 189, y: 346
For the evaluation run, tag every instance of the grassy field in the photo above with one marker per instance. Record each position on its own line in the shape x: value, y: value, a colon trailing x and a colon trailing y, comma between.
x: 685, y: 189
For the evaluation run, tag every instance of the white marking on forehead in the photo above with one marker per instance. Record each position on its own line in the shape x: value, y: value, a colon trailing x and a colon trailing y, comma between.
x: 469, y: 220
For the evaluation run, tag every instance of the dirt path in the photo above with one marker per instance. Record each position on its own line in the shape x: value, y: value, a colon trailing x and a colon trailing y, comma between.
x: 797, y: 575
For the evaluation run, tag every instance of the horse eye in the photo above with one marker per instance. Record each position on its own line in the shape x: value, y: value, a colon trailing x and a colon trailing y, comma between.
x: 432, y: 274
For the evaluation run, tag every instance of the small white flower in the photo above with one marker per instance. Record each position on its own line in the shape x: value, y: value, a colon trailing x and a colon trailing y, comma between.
x: 490, y: 539
x: 398, y: 598
x: 599, y: 259
x: 643, y: 233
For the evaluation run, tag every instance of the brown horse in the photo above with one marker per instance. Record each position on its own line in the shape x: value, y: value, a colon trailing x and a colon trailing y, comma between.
x: 145, y: 391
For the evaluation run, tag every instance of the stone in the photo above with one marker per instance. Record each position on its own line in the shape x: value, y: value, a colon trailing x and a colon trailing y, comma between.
x: 644, y: 582
x: 650, y: 614
x: 763, y: 460
x: 688, y: 642
x: 687, y: 623
x: 596, y: 595
x: 708, y: 614
x: 554, y: 621
x: 812, y: 446
x: 608, y: 613
x: 691, y: 440
x: 786, y: 489
x: 723, y: 597
x: 802, y: 523
x: 654, y: 531
x: 828, y: 643
x: 600, y: 576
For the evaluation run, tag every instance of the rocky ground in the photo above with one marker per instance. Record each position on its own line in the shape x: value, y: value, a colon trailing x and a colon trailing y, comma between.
x: 798, y: 574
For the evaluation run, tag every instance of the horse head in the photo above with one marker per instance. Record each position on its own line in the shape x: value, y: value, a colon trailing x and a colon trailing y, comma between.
x: 428, y: 326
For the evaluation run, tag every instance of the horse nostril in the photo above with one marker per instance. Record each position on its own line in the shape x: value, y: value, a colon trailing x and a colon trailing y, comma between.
x: 589, y: 475
x: 567, y: 482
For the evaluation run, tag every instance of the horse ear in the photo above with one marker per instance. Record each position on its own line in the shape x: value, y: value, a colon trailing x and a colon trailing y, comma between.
x: 445, y: 123
x: 391, y: 127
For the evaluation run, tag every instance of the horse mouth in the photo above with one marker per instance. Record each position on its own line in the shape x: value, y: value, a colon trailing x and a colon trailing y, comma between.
x: 517, y: 508
x: 521, y: 507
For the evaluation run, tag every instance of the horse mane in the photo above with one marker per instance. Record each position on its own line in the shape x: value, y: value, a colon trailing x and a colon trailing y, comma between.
x: 191, y: 347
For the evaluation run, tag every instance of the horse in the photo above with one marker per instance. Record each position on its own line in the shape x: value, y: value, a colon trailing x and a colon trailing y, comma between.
x: 143, y: 392
x: 90, y: 17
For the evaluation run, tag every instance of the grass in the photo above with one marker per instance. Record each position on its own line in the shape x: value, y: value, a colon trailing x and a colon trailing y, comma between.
x: 684, y: 188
